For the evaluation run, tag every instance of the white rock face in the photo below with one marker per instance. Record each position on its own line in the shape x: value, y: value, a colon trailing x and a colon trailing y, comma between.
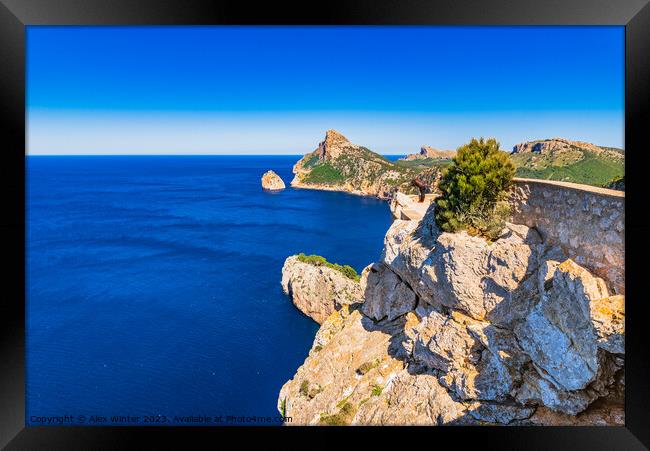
x: 272, y: 181
x: 456, y: 330
x: 386, y: 296
x: 358, y: 376
x: 318, y: 291
x: 459, y: 271
x: 573, y: 320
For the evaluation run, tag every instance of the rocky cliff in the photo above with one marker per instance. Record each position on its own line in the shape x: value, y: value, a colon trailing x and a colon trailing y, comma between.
x: 318, y: 291
x: 272, y: 181
x: 452, y: 329
x: 339, y: 165
x: 430, y: 152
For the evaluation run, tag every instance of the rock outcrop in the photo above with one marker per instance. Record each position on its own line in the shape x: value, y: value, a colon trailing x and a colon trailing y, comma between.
x: 339, y: 165
x: 430, y: 152
x: 318, y: 291
x: 272, y: 181
x: 455, y: 330
x: 385, y: 294
x: 564, y: 145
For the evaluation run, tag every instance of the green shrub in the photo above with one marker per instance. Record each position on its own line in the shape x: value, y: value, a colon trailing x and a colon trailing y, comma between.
x: 342, y: 418
x: 367, y: 366
x: 316, y: 260
x: 283, y: 407
x: 325, y: 174
x: 376, y: 390
x: 617, y: 182
x: 304, y: 388
x: 474, y: 190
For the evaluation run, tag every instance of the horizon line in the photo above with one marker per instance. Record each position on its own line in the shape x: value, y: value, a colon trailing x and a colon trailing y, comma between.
x: 183, y: 154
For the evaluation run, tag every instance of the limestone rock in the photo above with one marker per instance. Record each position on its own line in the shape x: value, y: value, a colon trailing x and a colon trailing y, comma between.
x: 476, y: 360
x: 318, y: 291
x: 413, y: 399
x: 452, y: 329
x: 333, y: 145
x: 499, y: 413
x: 461, y: 271
x: 563, y: 145
x: 272, y: 181
x: 386, y: 296
x: 361, y: 378
x: 608, y: 320
x: 573, y: 320
x: 430, y: 152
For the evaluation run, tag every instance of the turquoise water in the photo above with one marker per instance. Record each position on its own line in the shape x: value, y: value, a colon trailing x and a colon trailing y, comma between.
x: 153, y: 283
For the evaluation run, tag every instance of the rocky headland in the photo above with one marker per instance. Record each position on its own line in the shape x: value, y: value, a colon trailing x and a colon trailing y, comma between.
x: 552, y: 145
x: 316, y: 289
x: 448, y: 328
x: 272, y: 181
x: 339, y: 165
x: 430, y: 152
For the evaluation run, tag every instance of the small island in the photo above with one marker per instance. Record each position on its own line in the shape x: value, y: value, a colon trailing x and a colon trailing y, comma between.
x: 272, y: 181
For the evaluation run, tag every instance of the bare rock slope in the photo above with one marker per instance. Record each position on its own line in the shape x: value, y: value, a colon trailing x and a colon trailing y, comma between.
x: 455, y: 330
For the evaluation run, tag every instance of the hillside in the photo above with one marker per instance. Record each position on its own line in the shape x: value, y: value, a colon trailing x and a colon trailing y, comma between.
x: 570, y: 161
x: 339, y: 165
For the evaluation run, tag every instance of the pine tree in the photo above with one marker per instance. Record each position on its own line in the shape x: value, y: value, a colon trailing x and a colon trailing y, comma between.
x: 474, y: 189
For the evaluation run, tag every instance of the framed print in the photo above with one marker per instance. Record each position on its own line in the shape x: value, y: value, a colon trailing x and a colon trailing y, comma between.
x: 424, y: 215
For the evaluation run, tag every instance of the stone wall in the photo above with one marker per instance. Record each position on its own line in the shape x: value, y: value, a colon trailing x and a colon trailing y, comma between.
x: 586, y: 221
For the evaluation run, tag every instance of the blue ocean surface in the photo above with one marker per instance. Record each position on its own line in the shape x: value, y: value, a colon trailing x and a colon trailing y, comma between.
x: 153, y: 283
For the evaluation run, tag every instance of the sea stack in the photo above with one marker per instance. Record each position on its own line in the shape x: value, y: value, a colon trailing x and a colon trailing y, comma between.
x: 272, y: 181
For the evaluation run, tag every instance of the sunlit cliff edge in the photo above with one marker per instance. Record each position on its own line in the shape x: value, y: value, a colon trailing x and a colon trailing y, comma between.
x: 447, y: 328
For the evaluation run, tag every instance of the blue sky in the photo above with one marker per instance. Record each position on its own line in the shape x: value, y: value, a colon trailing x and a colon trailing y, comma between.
x: 275, y: 90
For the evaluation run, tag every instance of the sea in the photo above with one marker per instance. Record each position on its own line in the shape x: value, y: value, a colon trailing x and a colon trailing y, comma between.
x: 153, y: 290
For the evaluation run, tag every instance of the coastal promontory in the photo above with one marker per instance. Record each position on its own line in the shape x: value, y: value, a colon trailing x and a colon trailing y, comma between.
x: 430, y: 152
x: 317, y: 287
x: 339, y: 165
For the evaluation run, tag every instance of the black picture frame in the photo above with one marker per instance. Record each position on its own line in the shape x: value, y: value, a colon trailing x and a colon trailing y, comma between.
x: 15, y: 15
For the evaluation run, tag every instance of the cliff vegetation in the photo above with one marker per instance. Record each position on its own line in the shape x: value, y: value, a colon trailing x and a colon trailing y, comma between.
x: 474, y: 190
x: 568, y: 161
